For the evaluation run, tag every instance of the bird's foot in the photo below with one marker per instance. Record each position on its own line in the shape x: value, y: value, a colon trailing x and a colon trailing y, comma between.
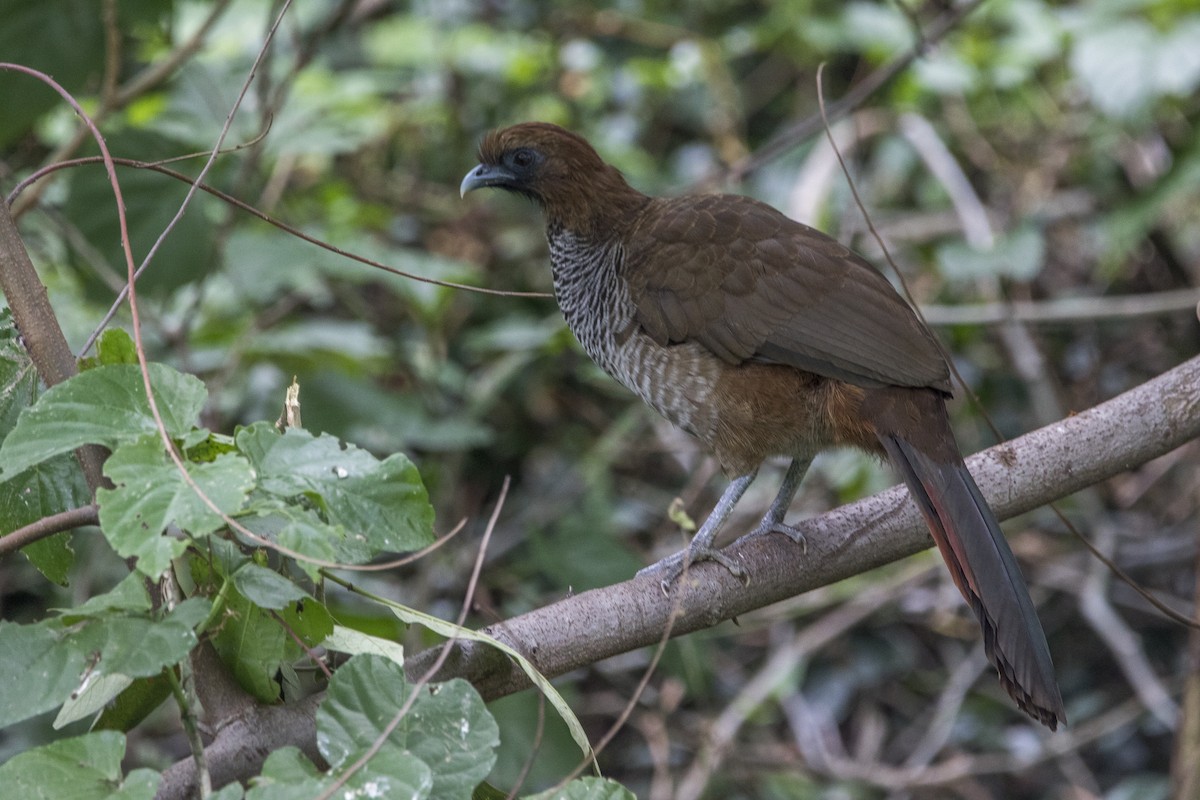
x: 793, y: 533
x: 674, y: 566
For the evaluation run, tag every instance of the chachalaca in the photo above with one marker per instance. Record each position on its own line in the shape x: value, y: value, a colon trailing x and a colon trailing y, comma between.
x: 763, y: 337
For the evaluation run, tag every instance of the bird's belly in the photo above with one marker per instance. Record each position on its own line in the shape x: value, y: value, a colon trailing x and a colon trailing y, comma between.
x: 677, y: 381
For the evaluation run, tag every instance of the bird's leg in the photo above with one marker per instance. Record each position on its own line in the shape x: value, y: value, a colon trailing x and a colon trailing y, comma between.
x: 701, y: 547
x: 772, y: 521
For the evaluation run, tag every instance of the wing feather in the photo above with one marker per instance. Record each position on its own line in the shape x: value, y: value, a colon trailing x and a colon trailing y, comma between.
x: 746, y: 282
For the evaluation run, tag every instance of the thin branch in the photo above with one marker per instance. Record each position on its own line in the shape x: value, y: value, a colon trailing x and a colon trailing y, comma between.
x: 150, y: 77
x: 1066, y: 310
x: 157, y: 166
x: 48, y: 526
x: 810, y: 125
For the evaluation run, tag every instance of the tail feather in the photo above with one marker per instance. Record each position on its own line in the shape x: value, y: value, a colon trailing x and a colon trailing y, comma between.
x: 985, y: 571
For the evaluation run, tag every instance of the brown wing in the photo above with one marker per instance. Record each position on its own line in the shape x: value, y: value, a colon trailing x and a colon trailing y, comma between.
x: 746, y: 282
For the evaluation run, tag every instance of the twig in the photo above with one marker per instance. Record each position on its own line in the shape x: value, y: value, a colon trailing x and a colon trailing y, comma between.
x: 777, y: 670
x: 157, y: 166
x: 1119, y: 638
x: 810, y: 125
x: 153, y: 75
x: 1065, y: 310
x: 976, y: 228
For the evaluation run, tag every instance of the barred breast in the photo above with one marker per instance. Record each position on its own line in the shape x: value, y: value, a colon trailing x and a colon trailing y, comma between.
x: 677, y: 381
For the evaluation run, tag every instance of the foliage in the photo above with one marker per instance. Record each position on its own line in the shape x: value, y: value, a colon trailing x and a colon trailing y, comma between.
x: 1038, y: 152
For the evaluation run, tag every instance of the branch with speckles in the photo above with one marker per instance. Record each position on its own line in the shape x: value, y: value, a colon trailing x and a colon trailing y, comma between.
x: 1015, y: 477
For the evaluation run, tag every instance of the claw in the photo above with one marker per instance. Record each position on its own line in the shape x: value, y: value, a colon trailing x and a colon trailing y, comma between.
x: 793, y: 533
x: 674, y: 565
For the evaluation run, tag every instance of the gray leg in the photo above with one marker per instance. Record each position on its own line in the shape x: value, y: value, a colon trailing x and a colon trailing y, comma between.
x: 772, y: 521
x: 701, y: 547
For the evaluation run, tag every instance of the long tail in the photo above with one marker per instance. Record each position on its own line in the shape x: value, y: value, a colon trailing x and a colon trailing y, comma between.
x: 983, y: 567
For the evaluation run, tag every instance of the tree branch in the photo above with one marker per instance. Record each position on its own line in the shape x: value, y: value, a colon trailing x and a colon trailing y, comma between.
x: 1015, y: 477
x: 39, y: 328
x: 48, y: 526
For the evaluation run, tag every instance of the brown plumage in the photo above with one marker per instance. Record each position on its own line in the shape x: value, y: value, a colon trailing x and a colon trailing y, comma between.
x: 764, y: 337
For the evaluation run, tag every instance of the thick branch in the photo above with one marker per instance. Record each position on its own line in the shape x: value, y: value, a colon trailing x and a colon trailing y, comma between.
x: 1018, y: 476
x: 39, y: 327
x: 1015, y: 477
x: 243, y: 744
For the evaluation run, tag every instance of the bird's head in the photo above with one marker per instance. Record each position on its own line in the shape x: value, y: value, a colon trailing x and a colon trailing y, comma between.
x: 557, y: 169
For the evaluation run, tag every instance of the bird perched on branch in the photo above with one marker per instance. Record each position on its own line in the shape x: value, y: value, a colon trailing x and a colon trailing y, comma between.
x: 763, y: 337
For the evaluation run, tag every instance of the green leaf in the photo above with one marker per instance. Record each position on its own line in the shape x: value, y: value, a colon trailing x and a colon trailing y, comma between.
x: 308, y: 619
x: 589, y: 788
x: 448, y: 725
x: 1115, y: 65
x: 93, y: 696
x: 230, y: 791
x: 1018, y: 255
x: 52, y: 556
x: 18, y: 378
x: 40, y: 669
x: 382, y: 505
x: 452, y: 631
x: 265, y: 587
x: 151, y: 494
x: 48, y: 488
x: 116, y: 347
x: 252, y: 645
x: 348, y: 640
x: 134, y: 704
x: 105, y: 406
x: 139, y: 646
x: 50, y: 662
x: 287, y: 774
x: 141, y: 784
x: 128, y: 595
x: 298, y: 529
x: 81, y: 768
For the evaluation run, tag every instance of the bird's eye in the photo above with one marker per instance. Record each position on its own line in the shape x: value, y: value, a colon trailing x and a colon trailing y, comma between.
x: 523, y: 158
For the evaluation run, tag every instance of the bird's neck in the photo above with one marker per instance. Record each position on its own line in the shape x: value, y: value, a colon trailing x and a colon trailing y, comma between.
x: 595, y: 209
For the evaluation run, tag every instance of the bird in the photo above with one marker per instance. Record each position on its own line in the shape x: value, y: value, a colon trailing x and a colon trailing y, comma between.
x: 763, y: 337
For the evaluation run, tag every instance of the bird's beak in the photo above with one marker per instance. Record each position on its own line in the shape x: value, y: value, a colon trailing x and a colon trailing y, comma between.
x: 485, y: 175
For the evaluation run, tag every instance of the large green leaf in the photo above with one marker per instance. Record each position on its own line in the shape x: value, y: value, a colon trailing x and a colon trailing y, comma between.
x: 287, y: 774
x: 452, y: 631
x: 106, y: 406
x: 252, y: 644
x: 45, y: 662
x: 83, y: 768
x: 265, y: 587
x: 589, y: 788
x: 48, y: 488
x: 448, y: 727
x: 40, y: 669
x: 382, y: 505
x: 151, y: 493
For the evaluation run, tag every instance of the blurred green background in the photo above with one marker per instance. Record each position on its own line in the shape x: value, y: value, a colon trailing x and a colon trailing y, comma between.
x: 1041, y: 151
